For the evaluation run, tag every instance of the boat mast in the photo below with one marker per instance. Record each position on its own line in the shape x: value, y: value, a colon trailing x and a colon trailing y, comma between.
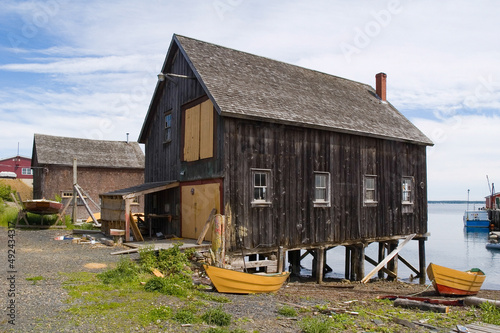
x: 468, y: 191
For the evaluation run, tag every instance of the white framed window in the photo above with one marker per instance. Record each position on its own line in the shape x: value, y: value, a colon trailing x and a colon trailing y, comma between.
x: 27, y: 171
x: 370, y: 190
x: 261, y: 187
x: 407, y: 190
x: 321, y: 189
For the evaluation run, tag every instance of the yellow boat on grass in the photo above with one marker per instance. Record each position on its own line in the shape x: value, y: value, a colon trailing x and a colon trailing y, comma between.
x: 449, y: 281
x: 229, y: 281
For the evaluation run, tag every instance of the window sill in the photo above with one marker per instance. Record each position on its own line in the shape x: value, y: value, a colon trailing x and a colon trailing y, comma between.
x: 407, y: 203
x: 370, y: 203
x: 321, y: 203
x: 261, y: 204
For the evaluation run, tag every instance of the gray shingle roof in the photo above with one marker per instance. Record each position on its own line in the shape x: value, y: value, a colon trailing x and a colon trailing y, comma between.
x: 60, y: 150
x: 248, y: 86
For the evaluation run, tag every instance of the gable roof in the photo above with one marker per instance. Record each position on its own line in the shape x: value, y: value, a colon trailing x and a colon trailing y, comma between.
x: 249, y: 86
x: 60, y: 150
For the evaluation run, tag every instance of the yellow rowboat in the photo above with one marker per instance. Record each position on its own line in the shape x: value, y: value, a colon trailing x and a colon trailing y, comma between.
x: 229, y: 281
x: 449, y: 281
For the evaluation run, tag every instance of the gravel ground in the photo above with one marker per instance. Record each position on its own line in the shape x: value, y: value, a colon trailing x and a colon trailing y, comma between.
x: 41, y: 305
x: 38, y: 254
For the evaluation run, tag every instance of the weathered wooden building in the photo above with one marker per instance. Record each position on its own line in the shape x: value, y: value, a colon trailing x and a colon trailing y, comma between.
x: 102, y: 166
x: 303, y: 159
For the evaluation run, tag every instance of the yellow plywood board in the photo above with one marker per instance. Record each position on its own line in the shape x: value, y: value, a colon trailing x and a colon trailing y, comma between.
x: 192, y: 134
x: 197, y: 204
x: 206, y: 130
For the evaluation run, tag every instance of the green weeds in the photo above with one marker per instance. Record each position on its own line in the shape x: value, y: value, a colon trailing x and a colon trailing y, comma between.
x: 216, y: 316
x: 490, y: 313
x: 35, y: 279
x: 287, y: 311
x: 319, y: 324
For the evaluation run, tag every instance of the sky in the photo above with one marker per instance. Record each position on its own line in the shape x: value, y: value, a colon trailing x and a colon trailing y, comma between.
x: 88, y: 69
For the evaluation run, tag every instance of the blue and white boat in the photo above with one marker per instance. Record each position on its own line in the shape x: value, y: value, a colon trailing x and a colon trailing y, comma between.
x: 476, y: 219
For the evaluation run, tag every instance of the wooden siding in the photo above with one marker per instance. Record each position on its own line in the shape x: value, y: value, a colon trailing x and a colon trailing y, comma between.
x: 164, y: 160
x: 293, y: 154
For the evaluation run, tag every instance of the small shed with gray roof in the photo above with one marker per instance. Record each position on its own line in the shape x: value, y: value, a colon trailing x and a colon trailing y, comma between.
x: 102, y: 166
x: 301, y: 160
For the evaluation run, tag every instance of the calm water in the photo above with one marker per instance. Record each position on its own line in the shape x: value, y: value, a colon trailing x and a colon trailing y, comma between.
x: 449, y: 245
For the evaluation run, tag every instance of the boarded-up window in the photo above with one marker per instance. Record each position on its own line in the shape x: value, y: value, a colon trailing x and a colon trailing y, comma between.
x: 199, y: 132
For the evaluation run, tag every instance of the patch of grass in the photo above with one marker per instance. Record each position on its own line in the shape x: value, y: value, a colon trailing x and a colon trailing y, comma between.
x: 287, y: 311
x: 169, y: 261
x: 126, y: 271
x: 490, y: 313
x: 319, y: 324
x: 175, y: 285
x: 216, y: 316
x: 8, y: 215
x: 5, y: 191
x: 35, y: 279
x: 185, y: 316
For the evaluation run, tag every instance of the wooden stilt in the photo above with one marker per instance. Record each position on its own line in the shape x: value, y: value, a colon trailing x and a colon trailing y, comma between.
x: 421, y: 260
x: 281, y: 259
x: 320, y: 262
x: 359, y: 259
x: 381, y: 256
x: 347, y: 273
x: 294, y: 260
x: 392, y: 265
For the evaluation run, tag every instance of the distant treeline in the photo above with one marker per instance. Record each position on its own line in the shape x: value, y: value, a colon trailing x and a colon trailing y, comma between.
x: 454, y: 202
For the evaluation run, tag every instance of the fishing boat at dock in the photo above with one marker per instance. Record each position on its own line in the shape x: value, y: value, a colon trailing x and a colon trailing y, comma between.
x: 451, y: 282
x: 42, y: 206
x: 476, y: 219
x: 235, y: 282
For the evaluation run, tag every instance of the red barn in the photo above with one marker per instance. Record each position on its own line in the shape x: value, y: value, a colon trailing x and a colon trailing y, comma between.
x: 20, y: 165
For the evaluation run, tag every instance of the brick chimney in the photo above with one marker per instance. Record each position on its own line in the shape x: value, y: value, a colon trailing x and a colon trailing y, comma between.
x: 380, y: 85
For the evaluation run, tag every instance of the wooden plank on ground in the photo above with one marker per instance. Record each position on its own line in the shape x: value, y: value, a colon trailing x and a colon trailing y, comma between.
x: 482, y: 328
x: 206, y: 227
x: 388, y: 258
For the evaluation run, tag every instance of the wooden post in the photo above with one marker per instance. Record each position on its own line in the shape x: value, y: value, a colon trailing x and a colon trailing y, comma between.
x: 294, y: 260
x: 381, y: 255
x: 281, y: 259
x: 127, y: 220
x: 347, y: 273
x: 320, y: 264
x: 392, y: 265
x: 421, y: 260
x: 75, y: 196
x: 358, y: 262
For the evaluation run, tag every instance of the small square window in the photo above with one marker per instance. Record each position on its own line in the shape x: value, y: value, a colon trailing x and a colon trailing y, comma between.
x: 27, y: 171
x: 370, y: 190
x: 407, y: 190
x: 321, y: 189
x: 168, y: 127
x: 261, y: 187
